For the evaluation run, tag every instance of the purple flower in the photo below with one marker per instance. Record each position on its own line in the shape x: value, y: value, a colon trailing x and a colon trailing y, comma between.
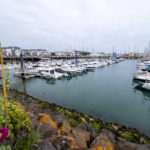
x: 3, y: 133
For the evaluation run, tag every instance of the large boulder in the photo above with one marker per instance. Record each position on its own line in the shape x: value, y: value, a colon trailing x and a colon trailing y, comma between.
x: 47, y: 131
x: 82, y: 137
x: 105, y: 140
x: 47, y: 127
x: 65, y: 142
x: 59, y: 117
x: 92, y: 130
x: 45, y: 145
x: 44, y: 118
x: 65, y: 128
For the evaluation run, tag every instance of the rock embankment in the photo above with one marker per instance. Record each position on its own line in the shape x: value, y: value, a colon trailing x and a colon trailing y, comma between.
x: 62, y: 129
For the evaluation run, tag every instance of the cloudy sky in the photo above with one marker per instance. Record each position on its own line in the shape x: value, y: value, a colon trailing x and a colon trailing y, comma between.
x: 102, y: 25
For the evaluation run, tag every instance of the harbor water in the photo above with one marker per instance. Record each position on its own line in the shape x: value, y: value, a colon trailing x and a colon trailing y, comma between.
x: 106, y: 93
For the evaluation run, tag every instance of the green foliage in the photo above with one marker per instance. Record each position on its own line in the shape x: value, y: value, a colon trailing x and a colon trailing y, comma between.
x: 82, y: 120
x: 2, y: 112
x: 7, y: 79
x: 134, y: 137
x: 27, y: 142
x: 5, y: 147
x: 61, y: 111
x: 43, y: 105
x: 73, y: 121
x: 17, y: 118
x: 53, y: 54
x: 85, y: 53
x: 96, y: 125
x: 2, y: 108
x: 68, y: 114
x: 127, y: 135
x: 18, y: 124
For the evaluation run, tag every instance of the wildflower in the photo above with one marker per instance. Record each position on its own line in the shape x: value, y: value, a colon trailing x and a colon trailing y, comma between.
x: 3, y: 133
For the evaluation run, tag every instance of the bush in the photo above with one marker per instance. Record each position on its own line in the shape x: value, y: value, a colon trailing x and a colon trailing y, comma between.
x: 96, y: 125
x: 27, y: 142
x: 3, y: 147
x: 17, y: 118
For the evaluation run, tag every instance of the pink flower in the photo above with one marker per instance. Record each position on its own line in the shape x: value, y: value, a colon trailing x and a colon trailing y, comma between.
x: 3, y: 133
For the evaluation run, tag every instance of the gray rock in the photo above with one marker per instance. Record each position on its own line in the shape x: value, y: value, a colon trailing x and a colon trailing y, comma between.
x: 105, y: 139
x: 59, y: 117
x: 82, y: 137
x: 79, y: 149
x: 33, y: 108
x: 65, y: 142
x: 80, y: 126
x: 45, y: 145
x: 92, y: 130
x: 47, y: 131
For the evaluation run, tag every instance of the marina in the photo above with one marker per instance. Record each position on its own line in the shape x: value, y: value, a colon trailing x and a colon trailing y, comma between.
x: 105, y: 92
x: 75, y: 75
x: 57, y: 69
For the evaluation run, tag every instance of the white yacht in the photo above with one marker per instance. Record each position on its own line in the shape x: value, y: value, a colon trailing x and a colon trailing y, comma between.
x: 142, y: 75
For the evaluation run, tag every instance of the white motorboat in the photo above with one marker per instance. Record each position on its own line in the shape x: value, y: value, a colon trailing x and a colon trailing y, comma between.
x: 68, y: 68
x: 142, y: 75
x: 110, y: 62
x: 51, y: 73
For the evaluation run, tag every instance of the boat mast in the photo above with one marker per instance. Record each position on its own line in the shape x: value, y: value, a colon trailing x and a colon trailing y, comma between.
x: 21, y: 61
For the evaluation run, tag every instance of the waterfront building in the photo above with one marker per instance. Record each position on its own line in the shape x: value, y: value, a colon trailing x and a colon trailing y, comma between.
x: 11, y: 51
x: 82, y: 53
x: 62, y: 54
x: 35, y: 52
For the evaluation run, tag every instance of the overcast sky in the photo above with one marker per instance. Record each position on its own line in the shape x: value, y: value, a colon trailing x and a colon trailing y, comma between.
x: 102, y: 25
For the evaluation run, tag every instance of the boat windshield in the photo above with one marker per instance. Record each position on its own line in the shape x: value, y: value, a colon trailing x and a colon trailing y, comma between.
x: 51, y: 71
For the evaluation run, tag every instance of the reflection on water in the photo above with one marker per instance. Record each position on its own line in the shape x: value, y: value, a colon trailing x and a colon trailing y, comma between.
x: 51, y: 81
x: 144, y: 93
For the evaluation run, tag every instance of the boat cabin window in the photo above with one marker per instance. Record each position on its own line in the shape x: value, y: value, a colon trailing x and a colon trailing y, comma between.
x: 52, y: 71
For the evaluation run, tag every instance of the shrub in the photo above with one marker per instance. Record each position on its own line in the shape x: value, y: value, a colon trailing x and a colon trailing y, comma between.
x: 17, y: 118
x: 96, y: 125
x: 27, y: 142
x: 5, y: 147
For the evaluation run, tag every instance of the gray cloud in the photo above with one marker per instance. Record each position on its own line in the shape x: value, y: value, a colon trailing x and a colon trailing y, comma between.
x: 76, y: 24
